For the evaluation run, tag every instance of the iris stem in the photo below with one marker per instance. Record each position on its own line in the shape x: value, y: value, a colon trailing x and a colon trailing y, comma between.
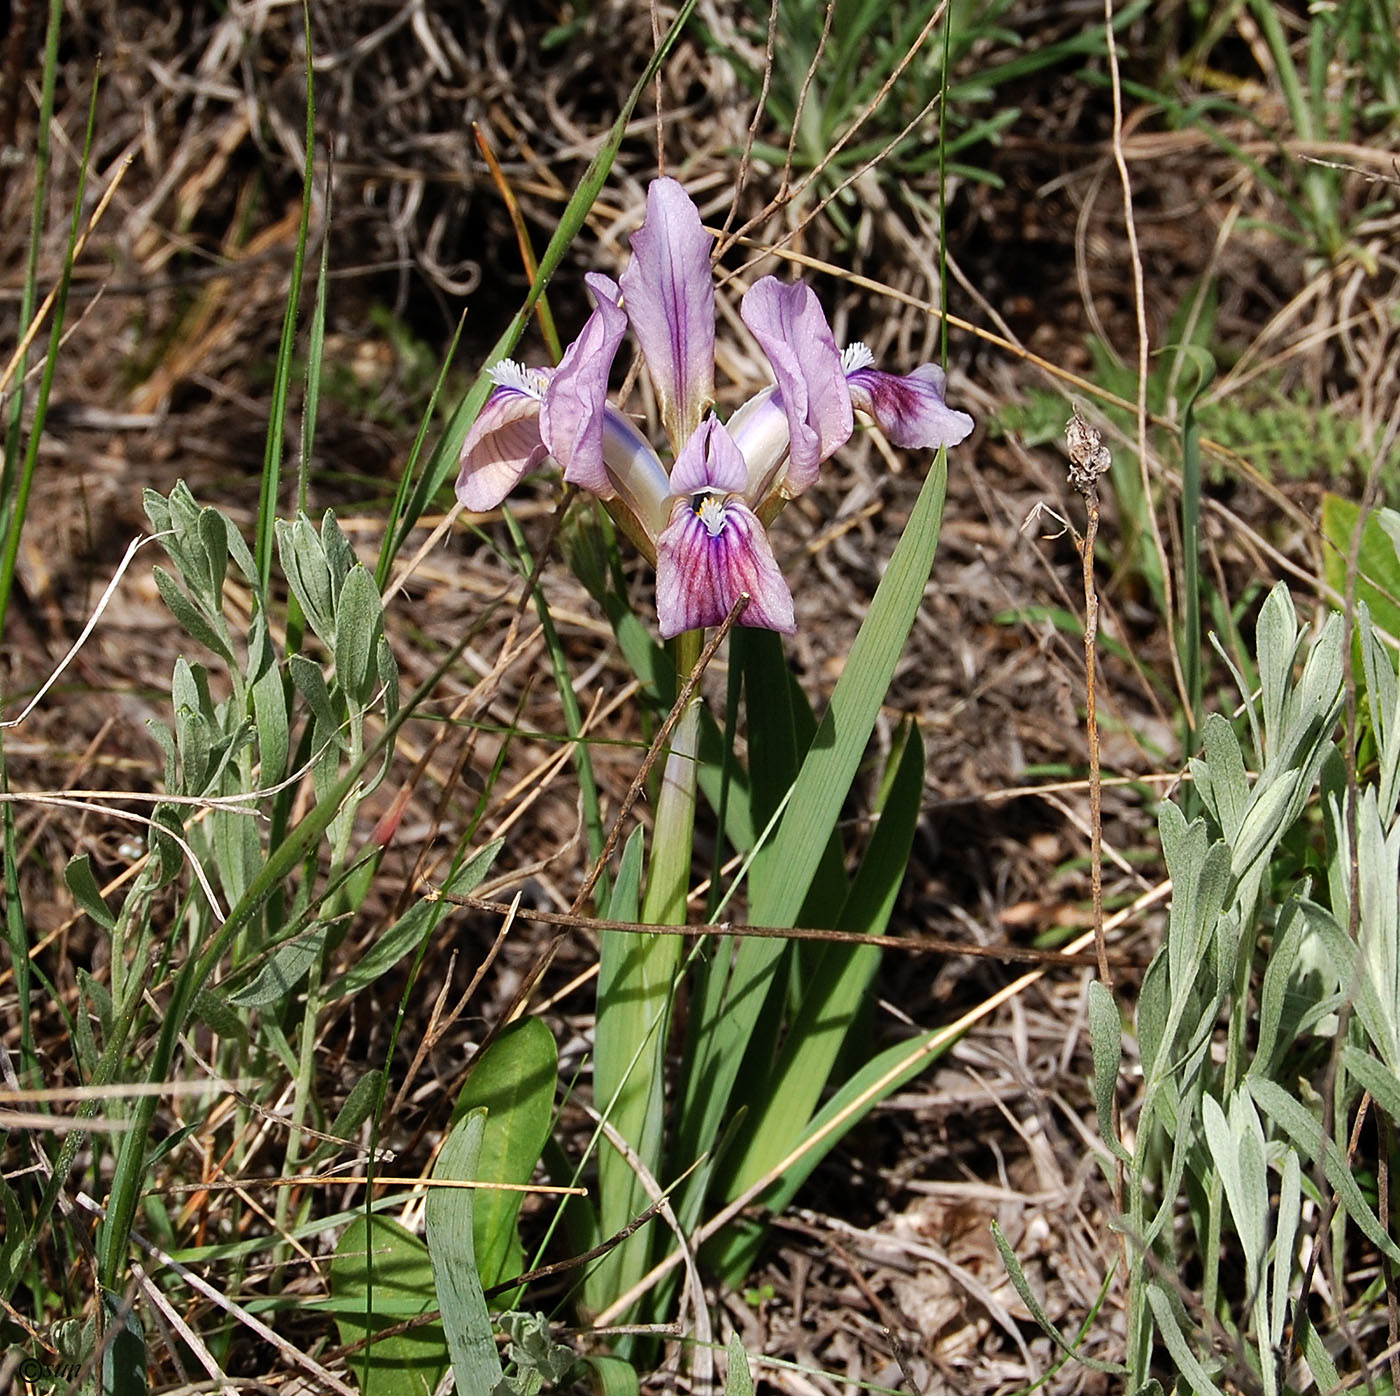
x: 635, y: 993
x: 668, y: 879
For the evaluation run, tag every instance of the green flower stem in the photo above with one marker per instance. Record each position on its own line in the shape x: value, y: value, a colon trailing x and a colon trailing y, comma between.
x: 636, y: 983
x: 668, y: 879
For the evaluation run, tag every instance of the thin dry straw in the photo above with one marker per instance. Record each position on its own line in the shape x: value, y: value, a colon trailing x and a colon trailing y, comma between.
x: 201, y: 1286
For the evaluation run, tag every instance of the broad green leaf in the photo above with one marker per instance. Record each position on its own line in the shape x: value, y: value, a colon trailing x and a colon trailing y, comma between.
x: 1022, y: 1287
x: 1229, y: 784
x: 1281, y: 1000
x: 514, y: 1082
x: 358, y: 1104
x: 213, y: 536
x: 450, y: 1247
x: 191, y: 618
x: 738, y: 1380
x: 1290, y: 1213
x: 1106, y: 1040
x: 1168, y: 1325
x: 271, y: 719
x: 834, y: 981
x: 1375, y: 1077
x: 1237, y: 1148
x: 219, y: 1014
x: 612, y: 1376
x: 286, y: 969
x: 821, y: 788
x: 124, y: 1363
x: 1378, y: 564
x: 1308, y: 1135
x: 310, y: 682
x: 358, y: 624
x: 414, y: 926
x: 381, y: 1277
x: 304, y: 565
x: 1276, y: 637
x: 83, y: 885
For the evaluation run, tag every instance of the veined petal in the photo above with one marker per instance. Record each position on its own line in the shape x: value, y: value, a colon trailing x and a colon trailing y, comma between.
x: 789, y: 324
x: 760, y: 431
x: 503, y: 444
x: 709, y: 461
x: 710, y: 554
x: 571, y: 418
x: 635, y: 473
x: 670, y: 293
x: 909, y: 410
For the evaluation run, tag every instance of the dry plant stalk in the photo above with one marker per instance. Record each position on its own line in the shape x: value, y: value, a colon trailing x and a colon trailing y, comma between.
x: 1089, y: 458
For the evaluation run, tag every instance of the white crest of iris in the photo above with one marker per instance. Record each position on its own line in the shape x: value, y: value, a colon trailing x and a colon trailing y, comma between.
x: 700, y: 520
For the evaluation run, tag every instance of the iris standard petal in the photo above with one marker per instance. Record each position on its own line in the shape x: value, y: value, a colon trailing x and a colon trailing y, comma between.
x: 790, y: 326
x: 910, y: 410
x: 635, y: 473
x: 760, y: 431
x: 670, y: 297
x: 503, y: 445
x: 709, y: 461
x: 712, y: 552
x: 571, y: 419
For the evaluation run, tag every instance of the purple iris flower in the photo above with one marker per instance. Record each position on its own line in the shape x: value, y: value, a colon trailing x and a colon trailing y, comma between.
x: 700, y: 521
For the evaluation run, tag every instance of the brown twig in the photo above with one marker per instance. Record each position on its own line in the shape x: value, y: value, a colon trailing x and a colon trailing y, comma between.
x: 1089, y: 459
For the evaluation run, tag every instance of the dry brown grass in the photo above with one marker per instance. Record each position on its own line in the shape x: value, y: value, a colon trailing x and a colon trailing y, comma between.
x: 888, y: 1274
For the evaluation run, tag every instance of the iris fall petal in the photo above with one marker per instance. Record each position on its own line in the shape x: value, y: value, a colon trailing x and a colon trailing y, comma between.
x: 714, y: 549
x: 503, y: 445
x: 910, y: 410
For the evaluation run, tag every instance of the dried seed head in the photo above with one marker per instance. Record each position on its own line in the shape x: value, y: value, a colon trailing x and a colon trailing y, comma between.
x: 1088, y: 456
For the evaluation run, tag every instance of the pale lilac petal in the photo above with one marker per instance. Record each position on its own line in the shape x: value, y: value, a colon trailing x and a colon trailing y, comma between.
x: 760, y: 431
x: 503, y: 445
x: 709, y: 461
x: 788, y: 322
x: 910, y: 410
x: 635, y: 473
x: 710, y: 555
x: 670, y: 293
x: 571, y: 419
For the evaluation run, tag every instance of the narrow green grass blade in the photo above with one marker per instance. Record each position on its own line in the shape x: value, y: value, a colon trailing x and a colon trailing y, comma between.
x: 452, y: 1251
x: 819, y: 791
x: 396, y: 509
x: 315, y: 351
x: 16, y: 504
x: 17, y: 936
x: 573, y: 717
x: 891, y: 1069
x: 444, y: 457
x: 29, y: 289
x: 1191, y: 547
x: 264, y: 546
